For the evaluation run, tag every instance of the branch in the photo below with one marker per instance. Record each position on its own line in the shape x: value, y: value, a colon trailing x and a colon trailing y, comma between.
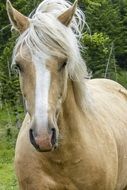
x: 7, y: 26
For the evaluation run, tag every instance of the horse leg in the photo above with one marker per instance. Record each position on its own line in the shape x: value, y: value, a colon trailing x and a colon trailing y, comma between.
x: 33, y: 184
x: 30, y: 173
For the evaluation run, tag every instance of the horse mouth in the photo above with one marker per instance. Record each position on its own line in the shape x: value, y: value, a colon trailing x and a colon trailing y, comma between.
x: 53, y: 144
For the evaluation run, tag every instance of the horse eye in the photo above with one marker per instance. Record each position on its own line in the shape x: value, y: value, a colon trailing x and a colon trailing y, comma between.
x: 16, y: 67
x: 61, y: 66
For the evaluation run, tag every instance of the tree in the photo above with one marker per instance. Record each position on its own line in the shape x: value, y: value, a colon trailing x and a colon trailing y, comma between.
x: 106, y: 41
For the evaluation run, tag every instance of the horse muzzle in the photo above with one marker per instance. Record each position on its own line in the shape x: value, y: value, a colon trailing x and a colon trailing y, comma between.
x: 44, y: 142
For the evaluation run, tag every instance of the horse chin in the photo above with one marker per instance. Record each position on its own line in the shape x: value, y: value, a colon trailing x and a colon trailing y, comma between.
x: 47, y: 150
x: 44, y: 150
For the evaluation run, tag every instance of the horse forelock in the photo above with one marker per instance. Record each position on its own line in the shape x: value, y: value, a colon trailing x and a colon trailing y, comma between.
x: 46, y: 34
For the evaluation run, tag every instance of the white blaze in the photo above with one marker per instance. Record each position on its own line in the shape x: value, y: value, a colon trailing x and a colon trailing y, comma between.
x: 41, y: 92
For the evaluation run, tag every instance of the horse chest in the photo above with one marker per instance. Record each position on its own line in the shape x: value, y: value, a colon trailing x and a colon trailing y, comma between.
x: 78, y: 172
x: 75, y: 176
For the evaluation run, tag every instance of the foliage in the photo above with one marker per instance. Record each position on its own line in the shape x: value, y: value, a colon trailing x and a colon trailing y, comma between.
x: 97, y: 47
x: 108, y: 18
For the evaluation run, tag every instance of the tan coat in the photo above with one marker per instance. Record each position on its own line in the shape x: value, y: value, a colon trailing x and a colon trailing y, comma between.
x: 92, y: 152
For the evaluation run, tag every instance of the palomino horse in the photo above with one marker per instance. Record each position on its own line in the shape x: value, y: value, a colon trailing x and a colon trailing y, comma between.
x: 74, y: 136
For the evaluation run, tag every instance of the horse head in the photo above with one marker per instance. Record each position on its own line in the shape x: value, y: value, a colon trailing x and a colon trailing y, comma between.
x: 41, y: 59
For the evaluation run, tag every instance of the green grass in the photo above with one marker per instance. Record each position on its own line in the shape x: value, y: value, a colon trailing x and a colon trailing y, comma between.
x: 8, y: 135
x: 7, y: 175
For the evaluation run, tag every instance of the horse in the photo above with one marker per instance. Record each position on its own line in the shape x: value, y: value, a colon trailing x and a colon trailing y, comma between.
x: 74, y: 135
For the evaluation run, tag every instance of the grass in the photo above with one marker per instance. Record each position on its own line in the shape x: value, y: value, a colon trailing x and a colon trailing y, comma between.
x: 8, y: 135
x: 7, y: 175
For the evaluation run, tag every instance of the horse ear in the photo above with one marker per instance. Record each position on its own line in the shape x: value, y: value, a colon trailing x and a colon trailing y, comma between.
x: 66, y: 17
x: 18, y: 20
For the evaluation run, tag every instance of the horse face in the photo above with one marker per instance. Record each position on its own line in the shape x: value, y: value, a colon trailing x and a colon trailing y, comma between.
x: 42, y: 78
x: 42, y: 81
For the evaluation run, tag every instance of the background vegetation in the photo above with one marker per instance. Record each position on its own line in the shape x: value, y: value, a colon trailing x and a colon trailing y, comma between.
x: 105, y: 41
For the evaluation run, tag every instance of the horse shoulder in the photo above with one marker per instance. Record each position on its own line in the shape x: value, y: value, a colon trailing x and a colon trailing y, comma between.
x: 109, y: 100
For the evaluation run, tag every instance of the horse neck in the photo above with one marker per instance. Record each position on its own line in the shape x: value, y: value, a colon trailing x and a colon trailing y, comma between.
x: 71, y: 116
x: 70, y: 122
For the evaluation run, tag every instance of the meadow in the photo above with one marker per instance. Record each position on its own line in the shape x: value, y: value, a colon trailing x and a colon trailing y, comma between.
x: 8, y: 135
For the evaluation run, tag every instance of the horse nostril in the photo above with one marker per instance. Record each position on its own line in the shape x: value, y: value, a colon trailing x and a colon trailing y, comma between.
x: 53, y: 139
x: 32, y: 139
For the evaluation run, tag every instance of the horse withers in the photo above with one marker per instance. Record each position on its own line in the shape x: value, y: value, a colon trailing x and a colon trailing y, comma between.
x: 74, y: 135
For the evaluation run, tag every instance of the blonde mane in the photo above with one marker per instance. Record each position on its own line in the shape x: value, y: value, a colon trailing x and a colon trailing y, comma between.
x: 46, y: 34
